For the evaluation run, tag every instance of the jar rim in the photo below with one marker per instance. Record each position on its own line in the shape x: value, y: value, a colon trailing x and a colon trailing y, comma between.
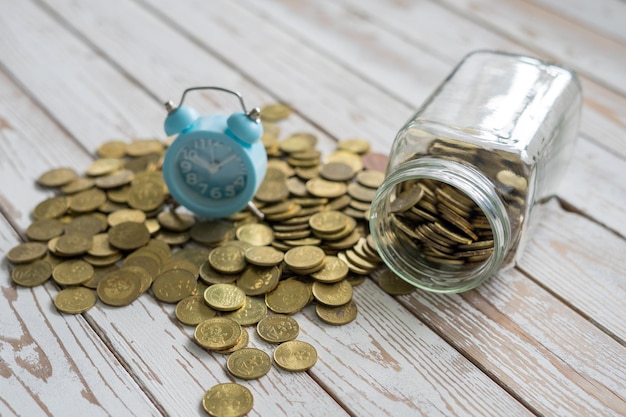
x: 472, y: 183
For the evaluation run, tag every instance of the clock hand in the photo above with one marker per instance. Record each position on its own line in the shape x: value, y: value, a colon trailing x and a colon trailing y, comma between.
x: 204, y: 164
x: 224, y: 162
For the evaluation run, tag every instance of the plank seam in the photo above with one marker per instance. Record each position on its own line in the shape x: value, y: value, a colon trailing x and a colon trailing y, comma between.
x: 486, y: 25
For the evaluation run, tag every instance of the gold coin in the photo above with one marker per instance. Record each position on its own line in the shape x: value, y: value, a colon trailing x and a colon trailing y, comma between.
x: 128, y: 235
x: 112, y: 149
x: 289, y: 297
x: 173, y: 285
x: 104, y: 166
x: 115, y: 179
x: 394, y: 285
x: 253, y: 311
x: 224, y: 297
x: 264, y: 256
x: 142, y: 147
x: 228, y: 259
x: 145, y: 259
x: 52, y: 208
x: 333, y: 295
x: 87, y: 225
x: 370, y: 178
x: 210, y: 276
x: 320, y: 187
x: 78, y: 185
x: 304, y: 257
x: 328, y: 221
x: 146, y: 196
x: 227, y: 400
x: 357, y: 146
x: 100, y: 246
x: 190, y: 266
x: 256, y: 234
x: 102, y: 260
x: 88, y: 200
x: 336, y: 171
x: 72, y: 272
x: 512, y: 180
x: 358, y: 192
x: 297, y: 142
x: 57, y: 177
x: 210, y: 232
x: 406, y: 199
x: 273, y: 187
x: 337, y: 316
x: 176, y: 222
x: 126, y: 215
x: 243, y: 341
x: 295, y: 356
x: 275, y: 112
x: 73, y: 244
x: 98, y: 275
x: 257, y: 280
x: 74, y: 300
x: 31, y: 274
x: 144, y: 276
x: 334, y: 270
x: 192, y: 310
x: 347, y: 157
x: 249, y: 363
x: 278, y: 328
x: 119, y: 288
x: 217, y: 333
x: 27, y: 252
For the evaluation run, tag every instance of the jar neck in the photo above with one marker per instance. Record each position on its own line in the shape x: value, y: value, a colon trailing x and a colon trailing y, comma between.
x: 398, y: 257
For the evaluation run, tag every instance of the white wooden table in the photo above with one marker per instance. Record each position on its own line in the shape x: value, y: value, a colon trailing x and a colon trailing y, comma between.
x: 546, y: 338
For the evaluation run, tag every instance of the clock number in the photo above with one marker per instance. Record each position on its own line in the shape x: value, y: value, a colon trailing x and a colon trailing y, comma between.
x: 203, y: 187
x: 185, y: 166
x: 229, y: 191
x: 191, y: 178
x: 239, y: 181
x: 216, y: 193
x: 200, y: 144
x: 189, y: 154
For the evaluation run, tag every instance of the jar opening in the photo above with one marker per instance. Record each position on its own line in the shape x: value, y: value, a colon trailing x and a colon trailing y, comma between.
x: 439, y: 229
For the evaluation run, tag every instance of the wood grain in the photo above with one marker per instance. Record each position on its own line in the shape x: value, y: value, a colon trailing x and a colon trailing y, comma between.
x: 547, y: 338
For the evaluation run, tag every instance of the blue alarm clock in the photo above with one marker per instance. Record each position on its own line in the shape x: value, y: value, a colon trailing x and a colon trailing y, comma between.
x: 217, y: 162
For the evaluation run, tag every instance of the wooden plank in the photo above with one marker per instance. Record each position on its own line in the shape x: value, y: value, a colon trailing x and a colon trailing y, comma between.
x: 82, y: 82
x: 604, y: 16
x: 583, y: 264
x: 590, y: 53
x: 553, y: 358
x: 433, y: 29
x: 47, y: 360
x: 356, y: 395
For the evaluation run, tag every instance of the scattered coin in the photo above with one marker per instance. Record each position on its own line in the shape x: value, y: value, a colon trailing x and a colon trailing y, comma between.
x: 31, y: 274
x: 249, y: 363
x: 278, y: 328
x: 192, y: 310
x: 74, y: 300
x: 217, y: 333
x: 295, y: 356
x: 227, y: 400
x: 26, y: 252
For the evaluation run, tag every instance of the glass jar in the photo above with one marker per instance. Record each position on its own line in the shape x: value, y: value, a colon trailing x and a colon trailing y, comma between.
x: 470, y: 170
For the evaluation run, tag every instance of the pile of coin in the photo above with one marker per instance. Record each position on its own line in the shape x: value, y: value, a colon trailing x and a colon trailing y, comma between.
x: 114, y: 234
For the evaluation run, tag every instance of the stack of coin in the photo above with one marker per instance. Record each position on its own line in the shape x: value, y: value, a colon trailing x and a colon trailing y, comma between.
x: 109, y: 235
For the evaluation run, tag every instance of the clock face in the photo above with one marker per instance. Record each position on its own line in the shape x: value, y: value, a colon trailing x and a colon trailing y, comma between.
x: 212, y: 168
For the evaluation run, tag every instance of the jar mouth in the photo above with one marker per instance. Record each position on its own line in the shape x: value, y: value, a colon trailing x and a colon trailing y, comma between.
x: 412, y: 259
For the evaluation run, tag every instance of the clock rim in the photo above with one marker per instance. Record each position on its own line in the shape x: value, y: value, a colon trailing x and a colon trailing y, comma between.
x: 172, y: 176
